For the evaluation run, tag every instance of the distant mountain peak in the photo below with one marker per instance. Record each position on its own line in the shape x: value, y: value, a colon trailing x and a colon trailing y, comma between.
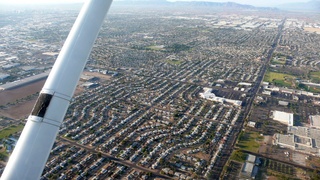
x: 228, y: 4
x: 225, y: 5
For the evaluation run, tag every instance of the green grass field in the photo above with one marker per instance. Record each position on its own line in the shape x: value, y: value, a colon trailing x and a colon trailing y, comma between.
x: 173, y: 62
x: 6, y: 132
x: 315, y: 77
x: 238, y: 156
x: 280, y: 79
x: 249, y: 141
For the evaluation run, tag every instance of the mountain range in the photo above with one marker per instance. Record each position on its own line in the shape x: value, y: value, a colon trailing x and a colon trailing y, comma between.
x: 311, y: 6
x: 232, y: 5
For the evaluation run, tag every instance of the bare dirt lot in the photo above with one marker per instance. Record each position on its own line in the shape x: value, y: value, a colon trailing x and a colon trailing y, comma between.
x: 19, y: 111
x: 102, y: 77
x: 317, y: 30
x: 12, y: 95
x: 267, y: 142
x: 299, y: 158
x: 22, y: 110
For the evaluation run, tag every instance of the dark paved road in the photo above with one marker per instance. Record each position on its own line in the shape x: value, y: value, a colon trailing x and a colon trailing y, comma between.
x: 117, y: 160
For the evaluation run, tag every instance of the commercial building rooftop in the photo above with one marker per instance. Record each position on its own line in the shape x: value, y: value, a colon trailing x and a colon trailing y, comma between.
x: 283, y: 117
x: 248, y: 168
x: 207, y: 94
x: 285, y: 140
x: 300, y: 138
x: 283, y: 103
x: 315, y: 121
x: 251, y: 158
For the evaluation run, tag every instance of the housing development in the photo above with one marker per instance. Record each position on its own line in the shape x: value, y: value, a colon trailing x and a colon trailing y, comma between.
x: 171, y: 91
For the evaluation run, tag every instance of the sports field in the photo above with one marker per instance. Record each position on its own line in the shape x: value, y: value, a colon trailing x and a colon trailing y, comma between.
x: 280, y: 79
x: 249, y: 141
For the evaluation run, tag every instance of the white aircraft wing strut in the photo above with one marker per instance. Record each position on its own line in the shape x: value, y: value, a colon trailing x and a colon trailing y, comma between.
x: 33, y: 147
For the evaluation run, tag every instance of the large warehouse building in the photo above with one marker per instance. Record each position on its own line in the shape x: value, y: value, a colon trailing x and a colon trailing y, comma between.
x: 283, y: 117
x: 315, y: 121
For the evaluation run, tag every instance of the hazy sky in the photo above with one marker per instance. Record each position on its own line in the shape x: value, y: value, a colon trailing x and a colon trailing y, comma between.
x: 257, y: 2
x: 251, y: 2
x: 37, y: 1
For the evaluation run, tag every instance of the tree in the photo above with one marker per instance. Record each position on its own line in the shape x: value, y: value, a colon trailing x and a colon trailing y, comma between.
x: 315, y: 175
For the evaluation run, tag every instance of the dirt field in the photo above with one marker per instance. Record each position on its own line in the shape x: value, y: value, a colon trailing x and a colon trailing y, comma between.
x: 317, y: 30
x: 199, y: 155
x: 20, y: 92
x: 99, y: 75
x: 78, y: 90
x: 263, y: 149
x: 23, y: 109
x: 20, y: 111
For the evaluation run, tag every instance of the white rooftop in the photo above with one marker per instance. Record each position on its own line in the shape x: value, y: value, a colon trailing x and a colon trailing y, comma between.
x: 247, y: 168
x: 315, y: 121
x: 283, y: 117
x: 251, y: 158
x: 211, y: 96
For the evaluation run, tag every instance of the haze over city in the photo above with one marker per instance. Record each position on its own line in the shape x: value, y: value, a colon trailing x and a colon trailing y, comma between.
x: 249, y: 2
x: 256, y: 2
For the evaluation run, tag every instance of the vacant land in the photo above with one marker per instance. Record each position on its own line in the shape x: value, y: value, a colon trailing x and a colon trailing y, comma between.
x: 19, y: 108
x: 312, y: 30
x: 280, y: 79
x: 19, y: 111
x: 17, y: 103
x: 250, y: 141
x: 20, y: 92
x: 102, y: 77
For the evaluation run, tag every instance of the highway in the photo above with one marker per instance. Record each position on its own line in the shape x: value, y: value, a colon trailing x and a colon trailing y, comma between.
x: 252, y: 95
